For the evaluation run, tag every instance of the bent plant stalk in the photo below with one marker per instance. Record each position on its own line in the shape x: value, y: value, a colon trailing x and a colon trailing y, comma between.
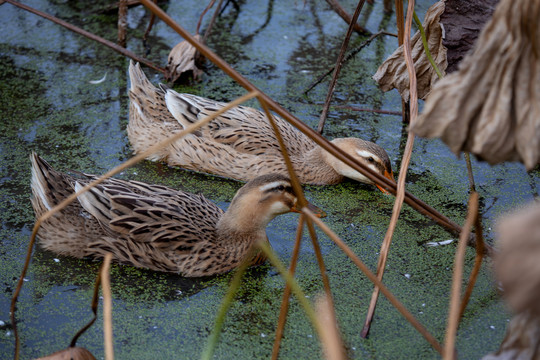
x: 107, y: 307
x: 122, y: 22
x: 476, y: 267
x: 454, y: 311
x: 385, y: 247
x: 386, y: 243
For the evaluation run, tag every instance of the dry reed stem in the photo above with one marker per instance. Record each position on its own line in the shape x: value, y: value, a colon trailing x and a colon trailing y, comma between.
x: 339, y: 64
x: 476, y: 267
x: 150, y: 25
x: 89, y: 35
x: 320, y: 261
x: 330, y: 337
x: 472, y: 185
x: 410, y: 199
x: 212, y: 22
x: 107, y: 175
x: 385, y: 247
x: 297, y: 187
x: 454, y: 309
x: 401, y: 30
x: 336, y: 6
x: 378, y: 111
x: 107, y: 307
x: 399, y: 20
x: 287, y: 291
x: 373, y: 278
x: 93, y: 306
x: 301, y: 200
x: 208, y: 7
x: 122, y: 22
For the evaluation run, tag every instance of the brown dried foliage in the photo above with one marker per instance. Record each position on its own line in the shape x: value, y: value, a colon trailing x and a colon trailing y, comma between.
x: 491, y: 106
x: 393, y: 71
x: 183, y: 59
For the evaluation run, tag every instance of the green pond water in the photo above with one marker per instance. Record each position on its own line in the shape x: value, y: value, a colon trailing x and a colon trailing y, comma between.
x: 48, y: 105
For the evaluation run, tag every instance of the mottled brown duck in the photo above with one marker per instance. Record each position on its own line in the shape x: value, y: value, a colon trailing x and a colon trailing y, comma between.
x: 156, y: 227
x: 240, y: 144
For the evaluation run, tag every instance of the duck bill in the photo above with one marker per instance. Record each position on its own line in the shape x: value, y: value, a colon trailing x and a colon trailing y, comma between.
x: 388, y: 175
x: 314, y: 209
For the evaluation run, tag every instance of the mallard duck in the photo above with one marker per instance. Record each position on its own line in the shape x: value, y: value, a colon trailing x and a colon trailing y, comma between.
x: 156, y: 227
x: 239, y: 144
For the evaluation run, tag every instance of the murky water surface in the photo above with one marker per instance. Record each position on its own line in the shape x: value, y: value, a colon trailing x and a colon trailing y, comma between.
x: 48, y: 105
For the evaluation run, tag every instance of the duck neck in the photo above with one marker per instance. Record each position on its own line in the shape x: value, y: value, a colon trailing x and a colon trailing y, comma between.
x: 237, y: 233
x: 313, y: 168
x: 241, y: 226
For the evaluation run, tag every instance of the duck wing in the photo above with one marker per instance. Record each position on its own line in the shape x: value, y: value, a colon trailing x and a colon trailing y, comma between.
x: 244, y: 129
x: 167, y: 219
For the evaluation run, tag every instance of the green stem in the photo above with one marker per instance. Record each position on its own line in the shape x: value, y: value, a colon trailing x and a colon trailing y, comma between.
x: 470, y: 171
x: 297, y: 291
x: 225, y: 305
x: 439, y: 74
x: 235, y: 284
x: 426, y: 48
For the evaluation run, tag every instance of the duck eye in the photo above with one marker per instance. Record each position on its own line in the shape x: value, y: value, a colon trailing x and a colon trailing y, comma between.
x: 281, y: 188
x: 371, y: 159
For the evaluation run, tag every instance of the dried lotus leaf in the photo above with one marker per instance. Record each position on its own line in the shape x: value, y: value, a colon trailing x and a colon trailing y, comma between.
x: 393, y: 71
x: 517, y: 269
x: 522, y: 340
x: 491, y: 105
x: 183, y: 59
x: 516, y: 263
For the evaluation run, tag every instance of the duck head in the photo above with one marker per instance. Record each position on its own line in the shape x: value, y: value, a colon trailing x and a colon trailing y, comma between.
x: 262, y: 199
x: 365, y: 152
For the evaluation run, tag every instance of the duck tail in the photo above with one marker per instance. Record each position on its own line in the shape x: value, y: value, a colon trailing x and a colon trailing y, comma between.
x: 49, y: 186
x: 137, y: 77
x: 40, y: 171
